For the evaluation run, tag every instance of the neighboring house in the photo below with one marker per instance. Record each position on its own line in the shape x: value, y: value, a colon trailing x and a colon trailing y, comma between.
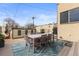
x: 68, y: 21
x: 44, y: 28
x: 31, y: 31
x: 18, y: 32
x: 21, y: 31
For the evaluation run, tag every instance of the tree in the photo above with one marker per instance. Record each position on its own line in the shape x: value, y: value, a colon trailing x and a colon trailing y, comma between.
x: 55, y: 30
x: 29, y: 26
x: 10, y: 23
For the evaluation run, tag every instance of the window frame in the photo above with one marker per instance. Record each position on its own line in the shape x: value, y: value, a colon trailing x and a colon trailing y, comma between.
x: 75, y: 20
x: 61, y: 20
x: 19, y: 32
x: 69, y: 17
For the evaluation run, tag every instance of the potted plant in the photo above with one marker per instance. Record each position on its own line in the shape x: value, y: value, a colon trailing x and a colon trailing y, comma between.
x: 1, y: 40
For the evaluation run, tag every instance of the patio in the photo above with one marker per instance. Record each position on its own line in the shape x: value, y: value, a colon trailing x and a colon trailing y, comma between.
x: 8, y: 50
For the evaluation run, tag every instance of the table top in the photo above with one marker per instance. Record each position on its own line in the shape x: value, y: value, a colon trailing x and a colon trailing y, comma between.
x: 36, y: 35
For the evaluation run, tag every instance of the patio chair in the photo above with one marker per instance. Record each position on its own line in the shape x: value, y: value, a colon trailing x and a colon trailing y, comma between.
x: 26, y: 39
x: 44, y: 40
x: 29, y: 44
x: 37, y: 43
x: 49, y: 37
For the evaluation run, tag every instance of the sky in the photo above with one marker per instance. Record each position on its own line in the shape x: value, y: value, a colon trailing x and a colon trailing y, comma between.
x: 22, y: 13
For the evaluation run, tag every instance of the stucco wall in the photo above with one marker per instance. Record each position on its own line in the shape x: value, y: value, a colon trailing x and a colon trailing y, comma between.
x: 15, y: 33
x: 47, y: 28
x: 68, y: 31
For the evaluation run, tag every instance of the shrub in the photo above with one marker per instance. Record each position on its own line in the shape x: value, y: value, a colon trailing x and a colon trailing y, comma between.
x: 2, y: 40
x: 1, y: 36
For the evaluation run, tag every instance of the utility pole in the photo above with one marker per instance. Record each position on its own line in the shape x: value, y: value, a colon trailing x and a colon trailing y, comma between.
x: 33, y: 20
x: 33, y: 23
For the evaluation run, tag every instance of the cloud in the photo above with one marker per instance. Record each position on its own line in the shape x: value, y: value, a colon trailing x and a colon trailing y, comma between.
x: 45, y: 19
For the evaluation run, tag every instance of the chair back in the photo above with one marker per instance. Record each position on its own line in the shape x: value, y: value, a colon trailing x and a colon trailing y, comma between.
x: 49, y: 36
x: 27, y: 39
x: 37, y: 40
x: 43, y: 38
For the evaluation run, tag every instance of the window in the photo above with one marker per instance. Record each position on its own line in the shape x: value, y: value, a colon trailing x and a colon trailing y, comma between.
x: 32, y: 31
x: 19, y: 32
x: 26, y: 31
x: 74, y: 15
x: 42, y: 31
x: 64, y: 17
x: 69, y: 16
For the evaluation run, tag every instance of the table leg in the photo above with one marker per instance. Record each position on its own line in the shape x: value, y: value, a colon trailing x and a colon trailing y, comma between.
x: 33, y: 46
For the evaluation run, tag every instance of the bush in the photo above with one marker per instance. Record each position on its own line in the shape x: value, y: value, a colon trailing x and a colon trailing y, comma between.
x: 1, y: 36
x: 2, y: 40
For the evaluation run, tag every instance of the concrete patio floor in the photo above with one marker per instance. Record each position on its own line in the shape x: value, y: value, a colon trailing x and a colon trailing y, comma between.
x: 7, y: 51
x: 70, y: 51
x: 66, y: 51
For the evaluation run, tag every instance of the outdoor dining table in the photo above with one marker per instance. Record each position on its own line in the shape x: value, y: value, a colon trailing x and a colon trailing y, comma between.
x: 33, y: 36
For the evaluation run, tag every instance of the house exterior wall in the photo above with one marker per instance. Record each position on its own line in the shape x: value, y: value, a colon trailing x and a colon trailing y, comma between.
x: 29, y: 32
x: 15, y: 33
x: 47, y: 28
x: 68, y: 31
